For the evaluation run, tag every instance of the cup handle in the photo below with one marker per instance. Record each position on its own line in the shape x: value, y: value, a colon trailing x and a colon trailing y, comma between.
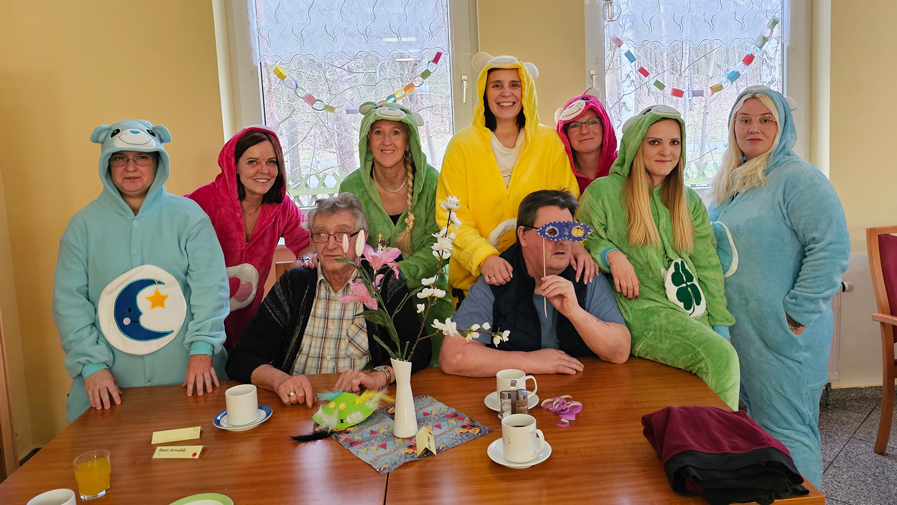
x: 535, y: 386
x: 541, y: 438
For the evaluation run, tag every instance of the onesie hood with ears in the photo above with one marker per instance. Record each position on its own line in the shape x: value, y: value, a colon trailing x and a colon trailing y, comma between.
x: 389, y: 111
x: 132, y: 135
x: 572, y: 111
x: 634, y: 130
x: 483, y: 62
x: 782, y: 151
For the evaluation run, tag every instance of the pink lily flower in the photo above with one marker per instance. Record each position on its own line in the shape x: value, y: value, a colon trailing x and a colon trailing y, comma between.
x: 361, y: 294
x: 378, y: 259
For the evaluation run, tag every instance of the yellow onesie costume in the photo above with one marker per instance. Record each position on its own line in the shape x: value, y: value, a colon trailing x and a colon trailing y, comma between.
x: 470, y: 172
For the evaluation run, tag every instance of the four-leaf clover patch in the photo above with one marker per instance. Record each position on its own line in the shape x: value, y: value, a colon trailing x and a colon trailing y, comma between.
x: 682, y: 288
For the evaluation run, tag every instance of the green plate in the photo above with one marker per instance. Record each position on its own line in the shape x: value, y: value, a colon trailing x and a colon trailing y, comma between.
x: 205, y: 499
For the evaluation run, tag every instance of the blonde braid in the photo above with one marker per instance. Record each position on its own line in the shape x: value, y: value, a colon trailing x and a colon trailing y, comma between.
x: 404, y: 238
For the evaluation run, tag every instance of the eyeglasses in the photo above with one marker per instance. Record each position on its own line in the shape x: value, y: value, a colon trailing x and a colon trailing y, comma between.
x: 321, y: 237
x: 576, y: 125
x: 141, y: 160
x: 764, y: 121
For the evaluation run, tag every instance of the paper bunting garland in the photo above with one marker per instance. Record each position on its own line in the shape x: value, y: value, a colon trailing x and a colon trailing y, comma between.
x: 732, y: 76
x: 317, y: 104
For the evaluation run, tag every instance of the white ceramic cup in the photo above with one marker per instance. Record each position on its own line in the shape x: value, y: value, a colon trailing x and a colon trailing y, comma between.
x: 520, y: 439
x: 242, y: 404
x: 54, y: 497
x: 503, y: 380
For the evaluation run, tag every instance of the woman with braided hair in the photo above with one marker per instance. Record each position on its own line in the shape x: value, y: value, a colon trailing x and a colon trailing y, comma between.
x: 397, y: 190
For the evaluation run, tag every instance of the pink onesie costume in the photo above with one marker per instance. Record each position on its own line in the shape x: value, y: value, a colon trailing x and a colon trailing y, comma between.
x: 248, y: 263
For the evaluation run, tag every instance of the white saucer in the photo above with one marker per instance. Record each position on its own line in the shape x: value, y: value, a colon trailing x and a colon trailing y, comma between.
x: 264, y: 413
x: 492, y: 401
x: 496, y: 453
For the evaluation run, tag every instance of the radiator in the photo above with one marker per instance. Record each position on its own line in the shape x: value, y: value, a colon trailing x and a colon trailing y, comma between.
x: 834, y: 360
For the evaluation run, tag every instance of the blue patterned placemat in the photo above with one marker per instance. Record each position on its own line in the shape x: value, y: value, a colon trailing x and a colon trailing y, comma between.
x: 372, y: 439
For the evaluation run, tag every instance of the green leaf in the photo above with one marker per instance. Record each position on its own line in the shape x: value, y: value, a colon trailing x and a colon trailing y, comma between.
x: 695, y: 293
x: 683, y: 294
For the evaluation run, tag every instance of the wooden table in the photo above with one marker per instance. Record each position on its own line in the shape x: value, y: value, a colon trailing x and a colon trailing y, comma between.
x: 602, y: 458
x: 261, y: 465
x: 611, y: 464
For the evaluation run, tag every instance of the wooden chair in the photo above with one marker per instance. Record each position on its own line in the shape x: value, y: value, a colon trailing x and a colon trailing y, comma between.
x: 280, y: 267
x: 882, y: 249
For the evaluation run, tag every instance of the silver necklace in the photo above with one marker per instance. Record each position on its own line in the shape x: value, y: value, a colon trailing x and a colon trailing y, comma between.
x: 392, y: 190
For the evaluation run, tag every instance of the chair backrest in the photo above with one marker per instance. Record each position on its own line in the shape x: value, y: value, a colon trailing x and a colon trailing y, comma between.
x: 882, y: 250
x: 280, y: 267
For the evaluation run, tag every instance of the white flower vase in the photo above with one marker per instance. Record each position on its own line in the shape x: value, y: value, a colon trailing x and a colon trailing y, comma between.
x: 406, y: 416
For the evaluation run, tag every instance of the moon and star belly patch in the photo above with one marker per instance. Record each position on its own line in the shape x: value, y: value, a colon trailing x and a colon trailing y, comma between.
x: 142, y: 310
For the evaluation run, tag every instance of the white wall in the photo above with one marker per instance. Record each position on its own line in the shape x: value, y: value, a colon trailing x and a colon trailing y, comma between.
x: 860, y: 346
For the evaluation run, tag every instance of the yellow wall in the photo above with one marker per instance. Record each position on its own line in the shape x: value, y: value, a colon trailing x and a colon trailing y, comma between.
x: 12, y: 348
x: 65, y: 68
x: 862, y: 91
x: 552, y: 38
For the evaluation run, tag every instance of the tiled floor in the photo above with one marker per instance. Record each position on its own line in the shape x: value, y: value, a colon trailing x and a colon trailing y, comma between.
x: 854, y: 474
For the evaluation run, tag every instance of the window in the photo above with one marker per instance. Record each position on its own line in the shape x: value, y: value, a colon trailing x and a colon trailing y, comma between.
x: 665, y: 51
x: 333, y: 56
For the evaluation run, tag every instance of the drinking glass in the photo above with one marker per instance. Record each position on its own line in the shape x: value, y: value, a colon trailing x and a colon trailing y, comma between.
x: 92, y: 471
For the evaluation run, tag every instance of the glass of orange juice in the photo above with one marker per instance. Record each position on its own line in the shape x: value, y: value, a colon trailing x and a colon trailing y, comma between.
x: 92, y: 471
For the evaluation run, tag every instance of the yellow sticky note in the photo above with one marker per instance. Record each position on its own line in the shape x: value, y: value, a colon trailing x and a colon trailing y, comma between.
x: 163, y: 437
x: 178, y: 452
x: 425, y: 440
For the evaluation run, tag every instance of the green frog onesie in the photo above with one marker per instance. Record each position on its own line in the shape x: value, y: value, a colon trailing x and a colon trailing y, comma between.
x: 680, y: 317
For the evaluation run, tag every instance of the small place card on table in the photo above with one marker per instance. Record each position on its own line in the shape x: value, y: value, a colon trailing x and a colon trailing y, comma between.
x: 425, y: 440
x: 178, y: 452
x: 163, y: 437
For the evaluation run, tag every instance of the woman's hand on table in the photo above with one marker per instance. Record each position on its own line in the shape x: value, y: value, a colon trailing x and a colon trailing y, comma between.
x: 497, y: 271
x: 353, y: 381
x: 295, y: 389
x: 583, y: 262
x: 102, y: 389
x: 625, y: 280
x: 306, y: 261
x: 552, y: 361
x: 200, y: 371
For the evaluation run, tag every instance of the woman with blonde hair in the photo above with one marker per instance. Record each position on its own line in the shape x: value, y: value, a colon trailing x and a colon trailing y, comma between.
x: 781, y: 236
x: 653, y: 235
x: 397, y: 191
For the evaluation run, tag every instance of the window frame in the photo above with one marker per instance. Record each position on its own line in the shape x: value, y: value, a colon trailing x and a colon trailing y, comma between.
x: 246, y: 80
x: 797, y: 62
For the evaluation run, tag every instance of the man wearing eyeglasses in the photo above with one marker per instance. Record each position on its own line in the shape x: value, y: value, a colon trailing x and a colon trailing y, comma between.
x: 552, y: 318
x: 302, y: 328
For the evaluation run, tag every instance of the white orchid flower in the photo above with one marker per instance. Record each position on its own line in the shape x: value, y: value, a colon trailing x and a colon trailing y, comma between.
x: 359, y: 243
x: 451, y: 203
x: 429, y: 281
x: 420, y: 308
x: 486, y: 326
x: 426, y: 293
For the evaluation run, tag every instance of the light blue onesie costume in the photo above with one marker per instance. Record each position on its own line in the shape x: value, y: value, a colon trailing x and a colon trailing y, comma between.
x: 783, y: 249
x: 138, y: 294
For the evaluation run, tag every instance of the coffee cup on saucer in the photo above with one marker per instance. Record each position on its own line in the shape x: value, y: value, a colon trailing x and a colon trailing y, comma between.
x: 504, y: 377
x: 521, y: 441
x: 242, y: 404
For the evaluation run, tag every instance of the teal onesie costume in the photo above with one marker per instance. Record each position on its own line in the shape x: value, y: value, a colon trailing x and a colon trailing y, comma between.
x: 661, y: 330
x: 138, y: 294
x: 784, y: 248
x: 421, y: 262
